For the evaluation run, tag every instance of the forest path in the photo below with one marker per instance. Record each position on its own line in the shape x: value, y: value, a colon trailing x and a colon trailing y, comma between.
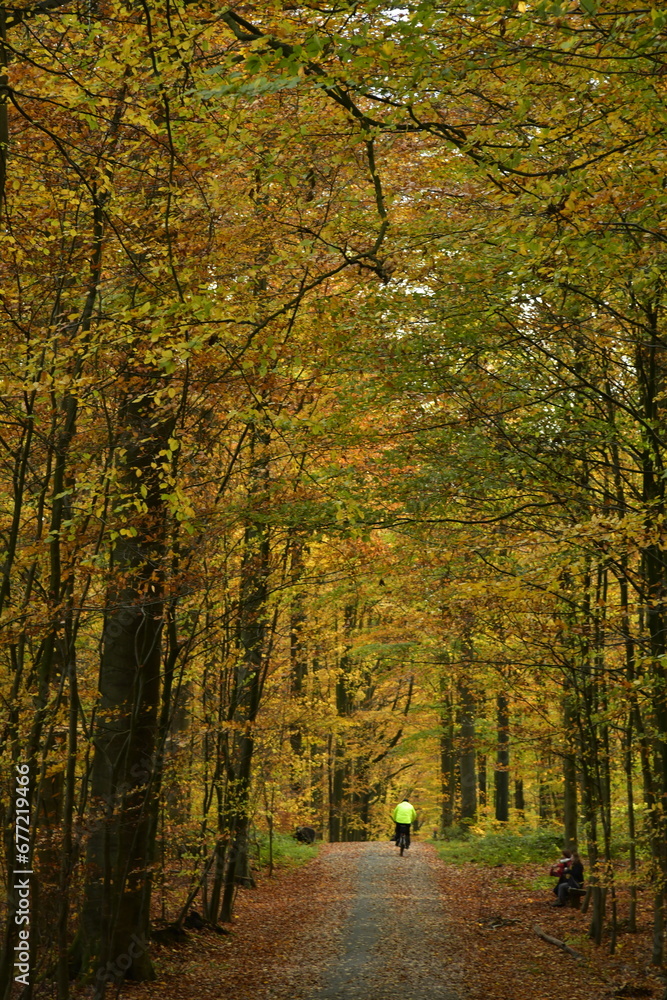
x: 395, y: 939
x: 358, y: 921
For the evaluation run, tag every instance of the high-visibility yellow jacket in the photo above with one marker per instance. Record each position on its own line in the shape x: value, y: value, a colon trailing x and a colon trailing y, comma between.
x: 404, y: 813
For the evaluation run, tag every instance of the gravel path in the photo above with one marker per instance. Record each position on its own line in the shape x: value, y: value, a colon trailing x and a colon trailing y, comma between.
x: 358, y: 922
x: 396, y: 941
x: 328, y: 931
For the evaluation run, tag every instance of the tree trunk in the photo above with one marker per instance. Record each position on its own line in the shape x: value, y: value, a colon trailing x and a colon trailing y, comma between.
x: 467, y: 757
x: 570, y: 801
x: 482, y: 780
x: 339, y: 766
x: 447, y: 758
x: 650, y: 365
x: 114, y: 926
x: 4, y: 127
x: 298, y: 658
x: 250, y: 670
x: 502, y: 774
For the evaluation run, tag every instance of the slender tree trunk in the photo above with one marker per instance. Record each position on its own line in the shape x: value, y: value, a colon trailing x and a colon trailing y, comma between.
x: 570, y: 803
x: 502, y: 774
x: 467, y: 755
x: 482, y: 780
x: 339, y: 765
x: 447, y: 757
x: 4, y: 125
x: 298, y: 659
x: 251, y: 668
x: 651, y: 366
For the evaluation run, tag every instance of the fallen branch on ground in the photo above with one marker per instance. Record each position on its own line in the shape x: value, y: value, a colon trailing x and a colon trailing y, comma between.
x: 559, y: 944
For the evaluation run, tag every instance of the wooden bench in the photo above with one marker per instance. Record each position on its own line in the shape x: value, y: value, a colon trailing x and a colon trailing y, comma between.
x: 574, y: 896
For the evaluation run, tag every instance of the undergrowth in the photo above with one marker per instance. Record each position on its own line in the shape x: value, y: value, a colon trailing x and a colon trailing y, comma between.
x: 524, y: 845
x: 287, y: 852
x: 516, y: 847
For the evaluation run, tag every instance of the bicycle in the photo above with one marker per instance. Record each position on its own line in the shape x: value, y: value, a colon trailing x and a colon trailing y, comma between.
x: 402, y: 842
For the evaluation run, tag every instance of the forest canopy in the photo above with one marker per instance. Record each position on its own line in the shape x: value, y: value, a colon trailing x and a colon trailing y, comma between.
x: 332, y: 441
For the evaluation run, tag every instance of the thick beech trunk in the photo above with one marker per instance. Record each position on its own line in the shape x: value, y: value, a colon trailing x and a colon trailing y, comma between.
x: 114, y: 927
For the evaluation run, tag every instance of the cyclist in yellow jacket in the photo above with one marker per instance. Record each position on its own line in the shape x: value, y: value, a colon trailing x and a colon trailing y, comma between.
x: 403, y: 815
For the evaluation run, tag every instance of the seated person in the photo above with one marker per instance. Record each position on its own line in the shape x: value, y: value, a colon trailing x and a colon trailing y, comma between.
x: 560, y: 869
x: 573, y: 878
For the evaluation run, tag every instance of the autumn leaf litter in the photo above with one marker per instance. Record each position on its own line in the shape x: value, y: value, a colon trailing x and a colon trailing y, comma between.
x: 475, y: 938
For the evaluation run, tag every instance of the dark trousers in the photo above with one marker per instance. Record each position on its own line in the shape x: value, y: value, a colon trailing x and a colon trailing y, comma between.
x: 403, y: 828
x: 564, y: 889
